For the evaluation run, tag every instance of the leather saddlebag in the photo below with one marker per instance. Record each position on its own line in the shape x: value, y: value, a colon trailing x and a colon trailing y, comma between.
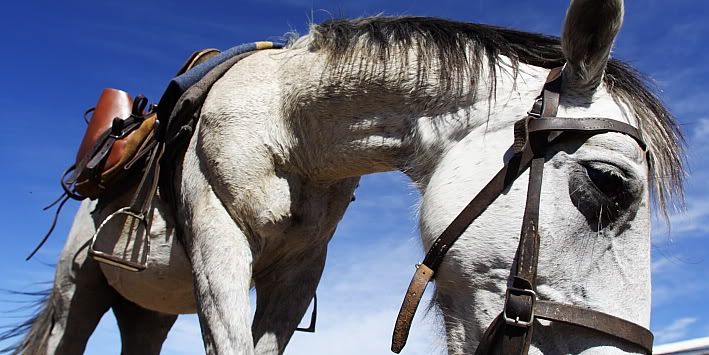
x: 115, y: 134
x: 118, y: 135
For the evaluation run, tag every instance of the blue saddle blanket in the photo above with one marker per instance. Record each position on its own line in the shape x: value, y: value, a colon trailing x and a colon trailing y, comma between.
x: 179, y: 85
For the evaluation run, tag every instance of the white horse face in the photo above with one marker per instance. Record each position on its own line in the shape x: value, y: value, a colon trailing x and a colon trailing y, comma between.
x: 594, y: 211
x: 594, y: 226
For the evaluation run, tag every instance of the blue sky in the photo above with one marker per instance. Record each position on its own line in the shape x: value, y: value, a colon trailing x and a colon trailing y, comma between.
x: 57, y: 56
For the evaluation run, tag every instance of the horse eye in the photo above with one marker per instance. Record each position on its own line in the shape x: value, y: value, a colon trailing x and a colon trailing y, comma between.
x: 607, y: 180
x: 603, y: 192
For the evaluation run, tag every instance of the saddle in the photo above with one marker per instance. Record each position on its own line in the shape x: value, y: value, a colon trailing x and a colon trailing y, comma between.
x: 127, y: 143
x: 119, y: 134
x: 123, y: 136
x: 115, y: 133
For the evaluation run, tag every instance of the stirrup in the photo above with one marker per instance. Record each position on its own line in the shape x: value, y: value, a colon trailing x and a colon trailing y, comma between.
x: 117, y: 261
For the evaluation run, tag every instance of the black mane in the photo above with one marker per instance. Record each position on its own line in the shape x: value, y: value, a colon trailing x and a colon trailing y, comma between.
x: 462, y: 49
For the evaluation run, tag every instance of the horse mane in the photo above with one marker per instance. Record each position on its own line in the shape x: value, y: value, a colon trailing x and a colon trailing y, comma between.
x: 461, y: 50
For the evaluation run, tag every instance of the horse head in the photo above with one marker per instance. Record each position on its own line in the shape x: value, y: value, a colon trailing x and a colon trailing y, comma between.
x: 594, y: 206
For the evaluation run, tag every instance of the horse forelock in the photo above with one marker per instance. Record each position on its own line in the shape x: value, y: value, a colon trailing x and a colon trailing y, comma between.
x: 458, y: 51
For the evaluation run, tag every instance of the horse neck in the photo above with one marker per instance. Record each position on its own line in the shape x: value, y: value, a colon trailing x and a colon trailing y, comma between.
x: 348, y: 124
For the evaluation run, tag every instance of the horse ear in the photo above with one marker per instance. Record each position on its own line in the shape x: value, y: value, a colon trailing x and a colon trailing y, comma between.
x: 589, y: 30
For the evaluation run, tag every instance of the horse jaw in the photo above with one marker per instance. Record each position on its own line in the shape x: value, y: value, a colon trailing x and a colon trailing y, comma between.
x: 606, y: 270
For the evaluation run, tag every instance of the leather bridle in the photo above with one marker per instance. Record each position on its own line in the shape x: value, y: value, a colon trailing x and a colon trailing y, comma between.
x: 512, y: 328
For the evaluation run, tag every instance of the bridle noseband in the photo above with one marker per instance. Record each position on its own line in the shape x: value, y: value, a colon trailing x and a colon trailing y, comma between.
x: 512, y: 328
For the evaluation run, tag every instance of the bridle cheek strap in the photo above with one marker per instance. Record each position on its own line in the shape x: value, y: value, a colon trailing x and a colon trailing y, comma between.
x: 426, y: 270
x: 512, y: 329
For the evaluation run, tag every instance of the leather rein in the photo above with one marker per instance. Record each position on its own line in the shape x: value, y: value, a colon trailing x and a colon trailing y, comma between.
x: 513, y: 327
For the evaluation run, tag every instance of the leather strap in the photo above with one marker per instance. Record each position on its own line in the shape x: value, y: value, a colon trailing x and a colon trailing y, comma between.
x: 594, y: 320
x: 518, y: 313
x: 601, y: 322
x: 499, y: 183
x: 143, y: 197
x: 411, y: 301
x: 521, y: 160
x: 587, y: 125
x: 490, y: 337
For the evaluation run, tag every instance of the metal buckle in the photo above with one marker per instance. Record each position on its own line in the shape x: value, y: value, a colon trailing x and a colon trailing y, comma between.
x: 111, y: 259
x: 121, y: 128
x: 523, y: 323
x: 537, y: 106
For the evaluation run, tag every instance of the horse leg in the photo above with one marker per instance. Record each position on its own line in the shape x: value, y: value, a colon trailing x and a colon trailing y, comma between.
x: 142, y: 331
x: 78, y: 300
x: 285, y: 285
x: 71, y: 312
x: 221, y: 266
x: 80, y: 307
x: 282, y: 298
x: 221, y: 261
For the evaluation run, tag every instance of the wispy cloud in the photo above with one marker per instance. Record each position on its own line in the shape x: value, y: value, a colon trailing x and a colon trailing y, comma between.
x: 661, y: 265
x: 105, y: 337
x: 675, y: 330
x: 185, y: 337
x: 701, y: 129
x: 666, y: 294
x: 358, y: 302
x: 694, y: 221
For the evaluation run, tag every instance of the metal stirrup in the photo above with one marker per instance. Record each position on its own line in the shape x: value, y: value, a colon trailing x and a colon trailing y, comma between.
x: 114, y: 260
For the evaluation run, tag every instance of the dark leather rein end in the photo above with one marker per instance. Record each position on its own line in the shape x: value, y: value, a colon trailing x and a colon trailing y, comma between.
x: 411, y: 301
x: 512, y: 328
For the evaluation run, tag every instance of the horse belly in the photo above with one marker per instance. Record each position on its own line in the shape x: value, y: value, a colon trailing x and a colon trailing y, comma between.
x: 166, y: 284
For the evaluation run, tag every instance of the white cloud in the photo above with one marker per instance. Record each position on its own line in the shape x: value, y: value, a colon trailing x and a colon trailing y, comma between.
x: 666, y: 293
x: 359, y: 303
x: 104, y: 337
x: 661, y: 265
x: 342, y: 330
x: 358, y: 300
x: 701, y: 130
x: 694, y: 221
x: 185, y: 337
x: 675, y: 330
x: 364, y: 333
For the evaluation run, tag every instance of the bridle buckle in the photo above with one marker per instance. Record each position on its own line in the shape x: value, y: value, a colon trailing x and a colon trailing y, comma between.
x: 536, y: 110
x: 516, y: 321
